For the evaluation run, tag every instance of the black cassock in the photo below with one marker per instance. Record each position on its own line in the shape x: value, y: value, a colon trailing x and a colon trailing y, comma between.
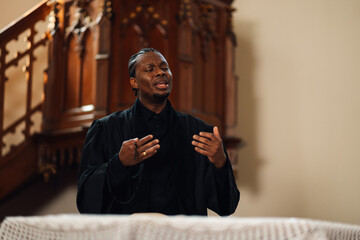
x: 106, y: 186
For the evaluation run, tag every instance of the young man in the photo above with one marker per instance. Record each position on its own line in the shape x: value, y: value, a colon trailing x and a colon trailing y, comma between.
x: 151, y: 158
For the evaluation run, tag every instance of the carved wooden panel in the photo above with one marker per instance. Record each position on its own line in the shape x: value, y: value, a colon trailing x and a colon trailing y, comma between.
x: 97, y: 38
x: 78, y: 65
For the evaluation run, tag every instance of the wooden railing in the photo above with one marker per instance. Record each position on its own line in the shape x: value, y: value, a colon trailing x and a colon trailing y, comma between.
x: 25, y: 26
x: 23, y: 66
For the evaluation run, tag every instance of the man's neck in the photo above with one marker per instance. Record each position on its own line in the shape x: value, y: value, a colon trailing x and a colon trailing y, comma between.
x: 155, y: 107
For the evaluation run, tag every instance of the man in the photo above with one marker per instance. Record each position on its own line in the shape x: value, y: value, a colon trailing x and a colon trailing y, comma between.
x: 151, y: 158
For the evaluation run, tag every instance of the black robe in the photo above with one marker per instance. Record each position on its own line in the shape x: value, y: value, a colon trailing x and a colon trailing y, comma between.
x: 106, y: 186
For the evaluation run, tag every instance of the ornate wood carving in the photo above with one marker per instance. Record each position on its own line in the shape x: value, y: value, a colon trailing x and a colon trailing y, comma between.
x: 78, y: 80
x: 144, y: 20
x: 79, y: 65
x: 59, y: 149
x: 103, y: 49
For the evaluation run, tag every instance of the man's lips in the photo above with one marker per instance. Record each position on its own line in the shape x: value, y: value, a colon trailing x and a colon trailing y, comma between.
x: 162, y: 84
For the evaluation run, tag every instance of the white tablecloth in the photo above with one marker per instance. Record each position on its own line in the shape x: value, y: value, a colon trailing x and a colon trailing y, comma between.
x: 156, y: 227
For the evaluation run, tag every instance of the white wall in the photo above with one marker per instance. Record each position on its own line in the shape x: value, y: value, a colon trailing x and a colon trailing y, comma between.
x: 298, y: 64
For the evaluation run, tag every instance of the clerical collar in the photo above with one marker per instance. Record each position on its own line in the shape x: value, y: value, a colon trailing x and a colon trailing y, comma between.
x: 147, y: 114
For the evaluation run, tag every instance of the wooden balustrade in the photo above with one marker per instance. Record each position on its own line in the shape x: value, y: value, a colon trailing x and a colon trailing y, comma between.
x: 11, y: 33
x: 16, y: 131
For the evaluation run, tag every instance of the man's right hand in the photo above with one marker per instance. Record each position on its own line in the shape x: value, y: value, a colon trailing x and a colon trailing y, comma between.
x: 134, y: 151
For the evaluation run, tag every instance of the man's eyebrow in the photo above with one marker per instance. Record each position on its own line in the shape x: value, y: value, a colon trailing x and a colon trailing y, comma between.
x: 152, y: 64
x: 148, y: 65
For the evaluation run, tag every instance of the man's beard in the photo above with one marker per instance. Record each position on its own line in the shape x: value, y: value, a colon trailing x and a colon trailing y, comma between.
x: 161, y: 97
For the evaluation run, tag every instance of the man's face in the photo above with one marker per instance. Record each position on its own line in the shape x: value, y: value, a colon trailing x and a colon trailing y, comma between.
x: 153, y: 77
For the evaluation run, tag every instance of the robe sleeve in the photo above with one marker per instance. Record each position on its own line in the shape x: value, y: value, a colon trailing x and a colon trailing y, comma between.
x: 222, y: 193
x: 101, y: 173
x: 218, y: 185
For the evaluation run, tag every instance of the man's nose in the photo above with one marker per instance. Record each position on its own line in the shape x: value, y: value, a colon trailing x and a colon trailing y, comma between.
x: 159, y: 72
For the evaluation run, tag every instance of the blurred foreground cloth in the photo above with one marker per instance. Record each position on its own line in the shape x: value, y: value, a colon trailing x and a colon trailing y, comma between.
x: 156, y: 226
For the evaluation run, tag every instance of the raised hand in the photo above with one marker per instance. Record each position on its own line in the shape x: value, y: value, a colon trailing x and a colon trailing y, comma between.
x: 210, y: 145
x: 134, y: 151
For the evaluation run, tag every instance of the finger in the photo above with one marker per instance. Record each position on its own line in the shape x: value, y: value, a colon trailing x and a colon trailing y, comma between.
x: 202, y: 151
x: 129, y: 145
x: 149, y: 145
x: 210, y: 136
x: 202, y: 140
x: 130, y: 141
x: 145, y: 140
x: 217, y: 133
x: 200, y: 145
x: 136, y: 142
x: 149, y: 152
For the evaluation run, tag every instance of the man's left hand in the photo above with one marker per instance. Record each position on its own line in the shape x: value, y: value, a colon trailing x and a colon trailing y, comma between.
x: 210, y: 145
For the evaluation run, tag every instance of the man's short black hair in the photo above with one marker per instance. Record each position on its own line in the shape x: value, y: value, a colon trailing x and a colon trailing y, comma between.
x: 132, y: 60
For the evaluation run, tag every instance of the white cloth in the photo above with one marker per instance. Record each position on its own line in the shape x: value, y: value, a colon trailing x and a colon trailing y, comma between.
x: 157, y: 227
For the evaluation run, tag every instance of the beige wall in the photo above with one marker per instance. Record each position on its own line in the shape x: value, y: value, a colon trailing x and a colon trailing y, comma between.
x: 298, y: 64
x: 12, y: 10
x: 298, y: 108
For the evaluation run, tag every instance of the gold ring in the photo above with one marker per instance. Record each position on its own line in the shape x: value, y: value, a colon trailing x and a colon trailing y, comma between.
x: 144, y: 153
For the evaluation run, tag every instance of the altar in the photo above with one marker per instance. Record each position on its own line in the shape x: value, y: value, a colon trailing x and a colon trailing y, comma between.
x: 156, y: 226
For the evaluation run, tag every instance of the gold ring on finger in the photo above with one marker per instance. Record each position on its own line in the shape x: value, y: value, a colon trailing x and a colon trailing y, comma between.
x: 144, y: 153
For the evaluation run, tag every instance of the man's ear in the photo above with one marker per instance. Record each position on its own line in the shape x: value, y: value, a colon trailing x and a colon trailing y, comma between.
x: 133, y: 83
